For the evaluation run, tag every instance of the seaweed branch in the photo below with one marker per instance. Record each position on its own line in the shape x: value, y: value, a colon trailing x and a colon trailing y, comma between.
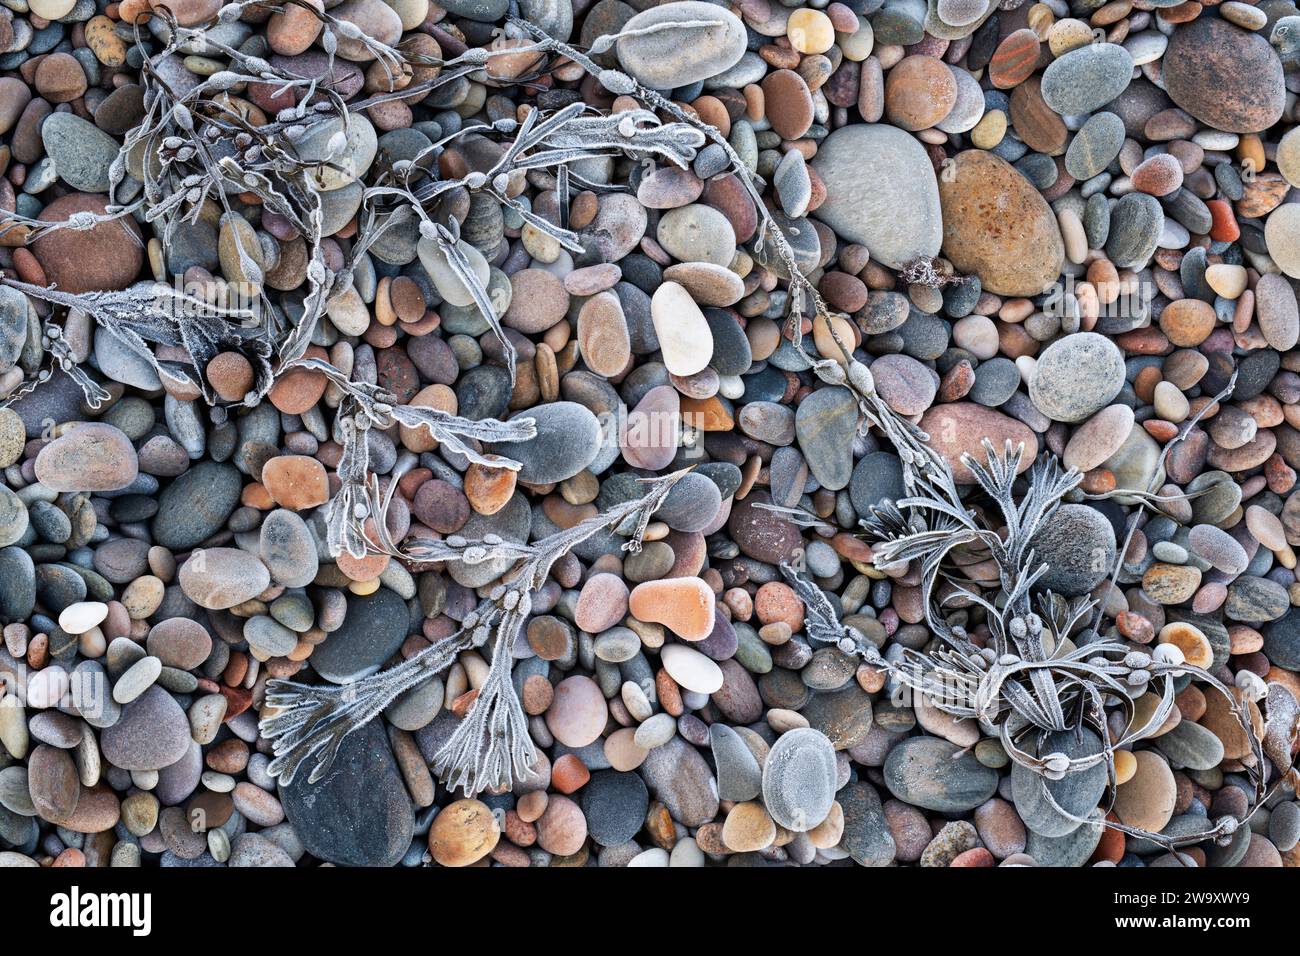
x: 1030, y: 681
x: 491, y: 748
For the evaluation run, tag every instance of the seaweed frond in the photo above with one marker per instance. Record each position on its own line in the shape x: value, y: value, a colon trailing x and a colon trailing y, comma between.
x: 491, y: 748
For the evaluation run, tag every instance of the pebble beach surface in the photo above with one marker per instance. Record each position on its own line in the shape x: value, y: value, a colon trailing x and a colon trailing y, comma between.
x: 1073, y: 226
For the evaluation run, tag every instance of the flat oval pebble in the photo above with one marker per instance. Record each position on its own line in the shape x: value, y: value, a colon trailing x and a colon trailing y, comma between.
x: 691, y: 669
x: 799, y: 779
x: 1229, y: 78
x: 217, y: 578
x: 958, y: 429
x: 997, y: 226
x: 1087, y: 78
x: 661, y: 60
x: 928, y: 772
x: 578, y: 713
x: 92, y: 457
x: 681, y: 329
x: 895, y: 213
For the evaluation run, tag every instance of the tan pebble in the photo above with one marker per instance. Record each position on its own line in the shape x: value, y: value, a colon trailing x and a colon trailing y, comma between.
x: 463, y: 833
x: 622, y: 752
x: 1147, y: 800
x: 748, y: 828
x: 1227, y: 280
x: 827, y: 834
x: 990, y: 130
x: 489, y: 489
x: 1190, y: 640
x: 296, y: 482
x: 531, y: 806
x: 1125, y: 766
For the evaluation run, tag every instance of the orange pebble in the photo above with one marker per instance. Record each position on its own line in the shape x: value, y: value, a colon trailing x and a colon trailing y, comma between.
x: 684, y: 604
x: 1224, y: 226
x: 776, y: 601
x: 569, y: 774
x: 70, y: 857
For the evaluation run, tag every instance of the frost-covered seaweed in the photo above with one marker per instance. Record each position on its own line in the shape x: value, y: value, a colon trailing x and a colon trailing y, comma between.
x: 491, y: 749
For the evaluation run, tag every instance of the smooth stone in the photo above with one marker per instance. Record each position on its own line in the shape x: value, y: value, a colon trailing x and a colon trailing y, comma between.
x: 1282, y: 641
x: 671, y: 58
x: 1219, y: 548
x: 682, y: 330
x: 1136, y: 223
x: 1078, y: 545
x: 680, y: 779
x: 373, y: 629
x: 844, y: 715
x: 799, y: 779
x: 907, y: 386
x: 1281, y: 233
x: 151, y: 733
x: 1098, y: 438
x: 1136, y: 465
x: 739, y: 776
x: 603, y: 335
x: 1147, y: 800
x: 1226, y: 77
x: 578, y: 712
x: 1256, y: 600
x: 484, y: 11
x: 358, y: 813
x: 13, y: 518
x: 287, y: 548
x: 93, y: 456
x: 867, y: 836
x: 651, y: 435
x: 691, y: 669
x: 697, y: 233
x: 1277, y: 311
x: 219, y: 578
x: 691, y: 505
x: 330, y: 171
x: 1093, y: 147
x: 179, y: 642
x: 511, y: 523
x: 1086, y: 78
x: 895, y: 212
x: 1072, y: 850
x: 877, y: 478
x: 80, y: 150
x: 825, y: 424
x: 1077, y: 793
x: 567, y: 441
x: 1191, y: 746
x: 998, y: 226
x: 615, y: 806
x: 926, y: 772
x: 1076, y: 376
x: 957, y: 429
x: 449, y: 285
x: 13, y: 327
x: 761, y: 534
x: 105, y: 257
x: 196, y: 505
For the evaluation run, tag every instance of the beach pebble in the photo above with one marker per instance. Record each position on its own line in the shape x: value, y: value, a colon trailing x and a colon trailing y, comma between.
x: 1076, y: 376
x: 799, y: 779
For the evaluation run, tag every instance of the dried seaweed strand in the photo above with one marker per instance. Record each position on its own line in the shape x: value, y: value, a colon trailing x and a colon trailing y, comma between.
x: 491, y: 749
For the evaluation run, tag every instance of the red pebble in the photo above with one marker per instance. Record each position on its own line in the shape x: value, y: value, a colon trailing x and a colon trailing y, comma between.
x: 1224, y: 226
x: 1111, y: 846
x: 973, y: 858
